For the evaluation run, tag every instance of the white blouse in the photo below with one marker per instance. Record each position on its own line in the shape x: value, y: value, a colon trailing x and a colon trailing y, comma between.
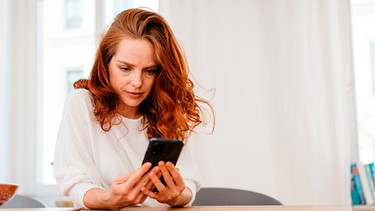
x: 87, y: 157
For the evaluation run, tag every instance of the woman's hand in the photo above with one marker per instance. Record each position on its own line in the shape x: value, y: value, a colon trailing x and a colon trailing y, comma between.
x: 124, y: 191
x: 174, y: 193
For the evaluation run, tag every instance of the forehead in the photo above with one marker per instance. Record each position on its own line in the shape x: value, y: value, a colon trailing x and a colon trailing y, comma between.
x: 130, y: 49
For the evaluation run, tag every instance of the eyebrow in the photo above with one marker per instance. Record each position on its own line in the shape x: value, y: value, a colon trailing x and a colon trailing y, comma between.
x: 131, y: 65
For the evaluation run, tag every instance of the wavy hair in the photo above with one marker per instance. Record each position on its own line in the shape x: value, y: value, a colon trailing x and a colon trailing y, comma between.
x: 171, y: 110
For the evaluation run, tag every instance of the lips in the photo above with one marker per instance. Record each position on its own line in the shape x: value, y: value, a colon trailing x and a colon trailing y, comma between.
x: 134, y: 94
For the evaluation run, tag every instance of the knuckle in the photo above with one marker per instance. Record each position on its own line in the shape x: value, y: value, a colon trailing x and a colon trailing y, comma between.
x: 132, y: 198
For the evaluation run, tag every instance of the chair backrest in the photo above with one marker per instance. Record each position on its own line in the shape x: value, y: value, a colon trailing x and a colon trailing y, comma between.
x: 19, y: 201
x: 231, y: 197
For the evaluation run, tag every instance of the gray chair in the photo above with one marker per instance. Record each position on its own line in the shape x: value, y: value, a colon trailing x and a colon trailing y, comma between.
x: 231, y: 197
x: 19, y: 201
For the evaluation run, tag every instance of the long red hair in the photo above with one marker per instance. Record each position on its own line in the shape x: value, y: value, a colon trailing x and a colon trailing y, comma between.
x: 171, y: 110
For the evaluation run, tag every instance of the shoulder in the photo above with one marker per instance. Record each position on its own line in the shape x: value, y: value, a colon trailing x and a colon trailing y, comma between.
x: 78, y: 97
x: 79, y: 93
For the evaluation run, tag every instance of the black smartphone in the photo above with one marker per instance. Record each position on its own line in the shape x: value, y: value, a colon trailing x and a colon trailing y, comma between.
x: 161, y: 149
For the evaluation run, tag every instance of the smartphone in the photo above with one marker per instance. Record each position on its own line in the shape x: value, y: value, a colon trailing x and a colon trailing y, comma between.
x: 161, y: 149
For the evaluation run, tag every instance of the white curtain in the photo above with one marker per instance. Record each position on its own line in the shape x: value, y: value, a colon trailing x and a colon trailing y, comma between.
x: 4, y: 91
x: 18, y: 86
x: 284, y: 100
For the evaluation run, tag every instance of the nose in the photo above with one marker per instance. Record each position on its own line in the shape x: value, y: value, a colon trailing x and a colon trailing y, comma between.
x: 136, y: 79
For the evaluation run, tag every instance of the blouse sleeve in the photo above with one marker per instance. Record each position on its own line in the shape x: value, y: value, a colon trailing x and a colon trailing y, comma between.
x: 189, y: 170
x: 74, y: 170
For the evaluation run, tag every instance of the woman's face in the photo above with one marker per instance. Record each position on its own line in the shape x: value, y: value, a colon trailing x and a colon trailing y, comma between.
x: 132, y: 73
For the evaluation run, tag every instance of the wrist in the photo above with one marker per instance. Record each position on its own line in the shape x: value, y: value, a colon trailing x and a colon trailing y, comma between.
x: 96, y: 198
x: 183, y: 199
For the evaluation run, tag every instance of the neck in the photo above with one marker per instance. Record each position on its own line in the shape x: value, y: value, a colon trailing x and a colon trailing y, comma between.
x: 130, y: 112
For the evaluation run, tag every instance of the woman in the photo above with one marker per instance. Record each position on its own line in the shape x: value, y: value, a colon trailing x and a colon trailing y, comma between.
x: 138, y: 89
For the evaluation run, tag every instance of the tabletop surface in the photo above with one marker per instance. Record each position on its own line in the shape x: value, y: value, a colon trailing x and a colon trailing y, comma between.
x: 211, y: 208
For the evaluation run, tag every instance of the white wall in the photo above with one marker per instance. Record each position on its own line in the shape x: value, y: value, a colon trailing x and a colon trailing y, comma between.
x: 284, y: 94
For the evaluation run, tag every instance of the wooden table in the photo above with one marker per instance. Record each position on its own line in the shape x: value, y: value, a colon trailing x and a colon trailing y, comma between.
x: 364, y: 208
x: 212, y: 208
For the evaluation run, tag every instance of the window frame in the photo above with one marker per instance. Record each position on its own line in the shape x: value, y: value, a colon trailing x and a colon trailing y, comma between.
x: 25, y: 145
x: 25, y: 142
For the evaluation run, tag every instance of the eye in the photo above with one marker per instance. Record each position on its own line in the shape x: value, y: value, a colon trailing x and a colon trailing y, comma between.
x: 151, y: 71
x: 125, y: 69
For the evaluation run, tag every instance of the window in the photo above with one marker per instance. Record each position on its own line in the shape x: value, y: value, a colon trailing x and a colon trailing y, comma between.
x: 67, y: 55
x: 71, y: 77
x: 73, y: 14
x: 363, y: 20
